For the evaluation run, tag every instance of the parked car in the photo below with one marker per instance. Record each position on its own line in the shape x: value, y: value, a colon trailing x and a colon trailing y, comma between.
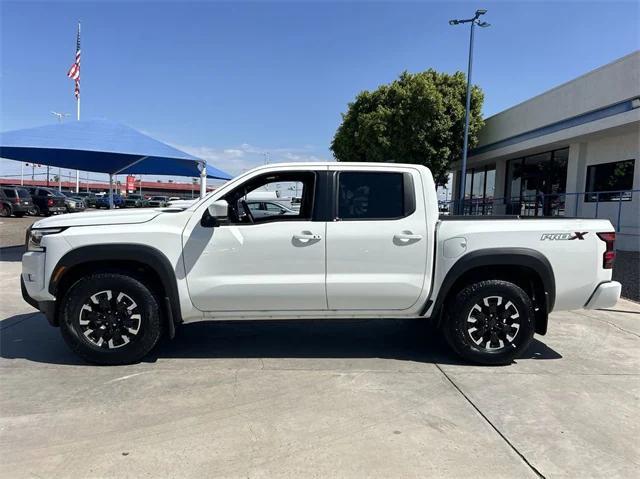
x: 295, y: 203
x: 158, y: 201
x: 103, y: 201
x: 135, y: 201
x: 47, y: 201
x: 15, y: 201
x: 88, y: 198
x: 174, y: 198
x: 260, y: 209
x: 73, y: 202
x: 184, y: 204
x: 363, y: 245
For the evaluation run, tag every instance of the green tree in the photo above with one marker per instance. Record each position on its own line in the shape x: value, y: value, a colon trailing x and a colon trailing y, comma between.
x: 418, y: 119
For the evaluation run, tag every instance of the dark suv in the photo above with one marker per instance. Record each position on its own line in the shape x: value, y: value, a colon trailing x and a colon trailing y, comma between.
x: 14, y: 200
x: 47, y: 201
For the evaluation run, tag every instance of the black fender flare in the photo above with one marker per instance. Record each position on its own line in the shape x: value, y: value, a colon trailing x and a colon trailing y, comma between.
x: 488, y: 257
x: 149, y: 256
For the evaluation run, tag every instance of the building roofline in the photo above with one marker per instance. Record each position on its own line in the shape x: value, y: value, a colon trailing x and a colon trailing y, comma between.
x: 590, y: 72
x: 587, y: 117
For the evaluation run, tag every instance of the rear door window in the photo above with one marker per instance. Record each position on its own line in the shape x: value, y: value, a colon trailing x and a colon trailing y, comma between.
x: 372, y: 196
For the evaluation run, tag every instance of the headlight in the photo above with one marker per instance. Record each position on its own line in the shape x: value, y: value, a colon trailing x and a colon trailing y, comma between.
x: 34, y: 237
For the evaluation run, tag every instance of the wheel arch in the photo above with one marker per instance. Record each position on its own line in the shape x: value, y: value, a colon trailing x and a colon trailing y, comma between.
x: 525, y: 267
x: 142, y: 261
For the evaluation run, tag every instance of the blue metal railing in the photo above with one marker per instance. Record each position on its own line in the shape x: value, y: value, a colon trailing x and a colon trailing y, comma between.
x: 553, y: 204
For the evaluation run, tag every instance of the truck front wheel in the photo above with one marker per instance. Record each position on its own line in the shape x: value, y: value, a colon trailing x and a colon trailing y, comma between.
x: 110, y: 318
x: 489, y: 322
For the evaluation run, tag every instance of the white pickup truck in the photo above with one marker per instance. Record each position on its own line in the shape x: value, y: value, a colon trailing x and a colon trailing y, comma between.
x: 367, y: 242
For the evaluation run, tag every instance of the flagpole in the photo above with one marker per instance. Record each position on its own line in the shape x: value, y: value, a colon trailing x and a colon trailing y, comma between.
x: 78, y: 118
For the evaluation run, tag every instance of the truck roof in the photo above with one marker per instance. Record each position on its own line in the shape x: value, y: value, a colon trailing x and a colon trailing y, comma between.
x: 370, y: 164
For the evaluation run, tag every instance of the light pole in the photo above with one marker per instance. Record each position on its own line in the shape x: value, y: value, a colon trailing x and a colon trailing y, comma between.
x: 463, y: 171
x: 60, y: 117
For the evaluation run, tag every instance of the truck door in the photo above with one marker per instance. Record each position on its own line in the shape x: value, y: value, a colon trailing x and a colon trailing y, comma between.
x: 260, y: 262
x: 377, y: 241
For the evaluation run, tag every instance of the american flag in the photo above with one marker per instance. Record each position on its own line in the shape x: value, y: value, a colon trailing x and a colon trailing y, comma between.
x: 74, y: 71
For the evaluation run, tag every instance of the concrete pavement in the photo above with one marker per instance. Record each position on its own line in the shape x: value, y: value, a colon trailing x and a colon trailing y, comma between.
x: 320, y: 399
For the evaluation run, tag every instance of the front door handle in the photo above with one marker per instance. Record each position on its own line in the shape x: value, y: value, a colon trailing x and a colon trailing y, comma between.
x: 406, y: 237
x: 307, y: 236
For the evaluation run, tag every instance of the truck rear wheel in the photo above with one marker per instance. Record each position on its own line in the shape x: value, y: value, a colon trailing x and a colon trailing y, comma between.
x: 490, y: 322
x: 110, y: 318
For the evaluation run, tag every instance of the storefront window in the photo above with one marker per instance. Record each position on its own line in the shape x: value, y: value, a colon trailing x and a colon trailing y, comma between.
x: 614, y: 180
x: 479, y: 190
x: 478, y: 184
x: 490, y: 190
x: 536, y: 184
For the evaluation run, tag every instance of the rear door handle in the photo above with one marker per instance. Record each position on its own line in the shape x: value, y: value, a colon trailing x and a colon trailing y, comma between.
x: 307, y: 237
x: 405, y: 237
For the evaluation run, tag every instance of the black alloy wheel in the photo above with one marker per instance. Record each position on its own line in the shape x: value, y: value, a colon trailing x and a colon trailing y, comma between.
x: 493, y: 323
x: 489, y: 322
x: 110, y: 318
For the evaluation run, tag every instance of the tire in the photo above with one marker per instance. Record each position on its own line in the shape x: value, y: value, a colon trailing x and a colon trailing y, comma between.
x: 491, y: 322
x: 34, y: 211
x: 122, y: 325
x: 5, y: 211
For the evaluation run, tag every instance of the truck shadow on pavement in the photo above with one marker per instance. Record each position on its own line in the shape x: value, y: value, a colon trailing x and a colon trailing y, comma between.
x: 11, y: 254
x: 29, y: 336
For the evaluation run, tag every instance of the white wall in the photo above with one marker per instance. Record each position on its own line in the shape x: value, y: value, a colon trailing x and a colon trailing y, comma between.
x: 604, y: 150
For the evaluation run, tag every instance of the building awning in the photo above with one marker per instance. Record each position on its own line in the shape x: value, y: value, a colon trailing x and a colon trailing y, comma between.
x: 101, y: 146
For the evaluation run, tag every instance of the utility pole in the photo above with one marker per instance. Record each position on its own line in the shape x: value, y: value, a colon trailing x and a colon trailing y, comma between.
x: 463, y: 171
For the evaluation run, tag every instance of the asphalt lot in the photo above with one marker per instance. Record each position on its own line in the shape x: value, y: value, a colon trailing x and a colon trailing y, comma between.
x: 12, y: 230
x: 320, y: 399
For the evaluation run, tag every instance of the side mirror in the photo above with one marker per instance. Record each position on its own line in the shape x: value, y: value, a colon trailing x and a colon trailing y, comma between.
x: 218, y: 210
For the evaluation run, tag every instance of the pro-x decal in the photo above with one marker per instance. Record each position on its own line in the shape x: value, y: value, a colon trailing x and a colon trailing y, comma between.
x: 563, y: 236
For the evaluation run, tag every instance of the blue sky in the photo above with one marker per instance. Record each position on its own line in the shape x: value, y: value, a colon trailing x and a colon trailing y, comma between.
x: 231, y: 81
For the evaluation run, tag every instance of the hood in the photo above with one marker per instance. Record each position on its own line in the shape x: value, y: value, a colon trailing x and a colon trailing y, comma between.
x: 94, y: 218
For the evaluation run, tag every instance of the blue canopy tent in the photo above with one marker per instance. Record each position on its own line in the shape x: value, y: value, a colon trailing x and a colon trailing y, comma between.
x: 103, y: 146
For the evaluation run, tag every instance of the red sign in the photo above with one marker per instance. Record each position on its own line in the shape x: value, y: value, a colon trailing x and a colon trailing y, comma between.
x: 131, y: 184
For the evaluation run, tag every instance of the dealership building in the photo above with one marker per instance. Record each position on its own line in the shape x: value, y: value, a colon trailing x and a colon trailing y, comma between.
x: 571, y: 151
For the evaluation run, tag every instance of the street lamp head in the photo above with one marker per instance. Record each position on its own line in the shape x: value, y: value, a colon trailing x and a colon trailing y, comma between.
x: 453, y: 22
x: 480, y: 11
x: 483, y: 24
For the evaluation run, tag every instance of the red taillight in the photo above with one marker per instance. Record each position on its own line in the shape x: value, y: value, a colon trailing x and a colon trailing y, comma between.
x: 49, y: 202
x: 609, y: 255
x: 15, y: 200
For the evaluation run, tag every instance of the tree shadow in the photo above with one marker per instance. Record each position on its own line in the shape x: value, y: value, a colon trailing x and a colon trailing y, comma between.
x: 30, y: 337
